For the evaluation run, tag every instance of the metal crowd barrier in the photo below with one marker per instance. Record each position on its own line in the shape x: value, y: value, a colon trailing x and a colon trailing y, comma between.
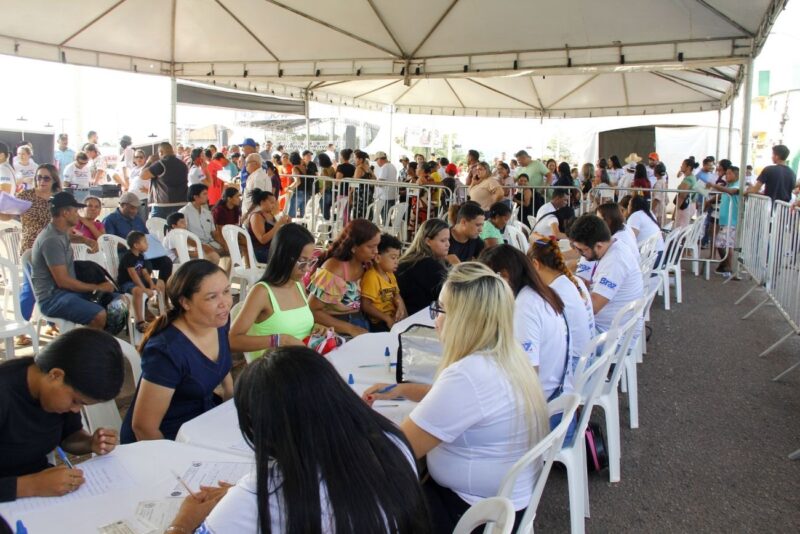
x: 539, y: 196
x: 754, y: 240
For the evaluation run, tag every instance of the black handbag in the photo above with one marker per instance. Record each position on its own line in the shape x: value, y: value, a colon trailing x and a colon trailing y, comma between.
x: 596, y: 450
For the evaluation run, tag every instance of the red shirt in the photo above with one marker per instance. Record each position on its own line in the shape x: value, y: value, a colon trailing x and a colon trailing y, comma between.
x: 215, y: 189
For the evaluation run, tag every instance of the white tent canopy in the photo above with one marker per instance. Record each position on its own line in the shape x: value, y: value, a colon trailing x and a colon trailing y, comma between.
x: 506, y: 58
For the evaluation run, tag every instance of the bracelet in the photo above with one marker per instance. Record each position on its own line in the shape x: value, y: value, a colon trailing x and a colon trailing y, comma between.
x: 177, y: 528
x: 274, y: 340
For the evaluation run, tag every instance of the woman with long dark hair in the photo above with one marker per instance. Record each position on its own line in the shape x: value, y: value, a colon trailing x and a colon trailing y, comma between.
x: 263, y: 222
x: 614, y: 217
x: 334, y: 288
x: 644, y: 224
x: 185, y: 355
x: 685, y: 206
x: 641, y: 183
x: 325, y: 461
x: 539, y: 323
x: 423, y: 267
x: 564, y: 178
x: 276, y: 311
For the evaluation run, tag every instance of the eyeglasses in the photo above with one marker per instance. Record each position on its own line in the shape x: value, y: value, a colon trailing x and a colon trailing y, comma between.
x: 307, y: 264
x: 43, y: 178
x: 435, y: 309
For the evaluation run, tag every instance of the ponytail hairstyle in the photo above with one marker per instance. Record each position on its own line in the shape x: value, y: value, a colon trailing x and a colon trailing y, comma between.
x: 691, y: 163
x: 227, y: 194
x: 548, y: 253
x: 183, y: 284
x: 521, y: 273
x: 356, y: 233
x: 639, y: 203
x: 257, y: 196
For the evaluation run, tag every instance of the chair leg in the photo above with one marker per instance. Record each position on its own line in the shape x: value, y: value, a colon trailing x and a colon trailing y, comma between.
x: 633, y: 389
x: 678, y: 286
x: 610, y: 405
x: 666, y: 288
x: 577, y: 488
x: 9, y: 348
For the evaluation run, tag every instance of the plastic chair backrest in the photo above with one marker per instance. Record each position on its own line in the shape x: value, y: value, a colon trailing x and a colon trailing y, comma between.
x: 516, y: 238
x: 9, y: 273
x: 10, y: 240
x: 13, y: 223
x: 648, y: 246
x: 80, y: 251
x: 531, y: 221
x: 673, y: 247
x: 102, y: 415
x: 497, y: 513
x: 180, y: 239
x: 376, y: 209
x: 231, y: 233
x: 590, y: 374
x: 109, y: 246
x: 133, y: 357
x: 397, y: 215
x: 625, y: 326
x: 156, y: 225
x: 542, y: 454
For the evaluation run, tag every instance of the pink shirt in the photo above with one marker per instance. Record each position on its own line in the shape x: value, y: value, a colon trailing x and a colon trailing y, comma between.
x: 80, y: 229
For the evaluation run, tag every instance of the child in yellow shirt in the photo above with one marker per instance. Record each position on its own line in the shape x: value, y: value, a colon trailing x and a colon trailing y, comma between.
x: 380, y: 294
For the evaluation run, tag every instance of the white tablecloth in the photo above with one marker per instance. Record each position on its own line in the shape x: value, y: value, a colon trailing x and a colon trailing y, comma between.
x: 218, y: 429
x: 148, y: 462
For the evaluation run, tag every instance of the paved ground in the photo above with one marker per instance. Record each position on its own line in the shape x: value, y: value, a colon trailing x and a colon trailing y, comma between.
x: 710, y: 453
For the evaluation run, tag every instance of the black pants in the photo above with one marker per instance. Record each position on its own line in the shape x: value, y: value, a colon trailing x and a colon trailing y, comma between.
x: 164, y: 267
x: 446, y: 508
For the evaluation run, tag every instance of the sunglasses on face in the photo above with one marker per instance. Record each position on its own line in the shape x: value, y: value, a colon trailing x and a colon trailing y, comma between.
x: 43, y: 178
x: 435, y: 309
x: 307, y: 263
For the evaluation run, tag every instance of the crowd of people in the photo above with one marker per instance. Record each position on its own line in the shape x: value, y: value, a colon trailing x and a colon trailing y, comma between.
x: 510, y: 321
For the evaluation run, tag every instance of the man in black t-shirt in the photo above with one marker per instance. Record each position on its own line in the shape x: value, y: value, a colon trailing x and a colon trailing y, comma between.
x: 465, y: 245
x: 778, y: 180
x: 170, y: 182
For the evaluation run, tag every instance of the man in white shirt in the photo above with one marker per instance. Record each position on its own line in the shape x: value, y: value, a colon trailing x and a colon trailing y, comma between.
x: 617, y: 279
x: 546, y: 219
x: 198, y: 173
x: 331, y: 152
x: 256, y: 178
x: 78, y: 175
x: 385, y: 172
x: 8, y: 182
x: 200, y: 222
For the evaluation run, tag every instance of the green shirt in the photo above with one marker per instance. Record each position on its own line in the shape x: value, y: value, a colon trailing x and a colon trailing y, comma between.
x: 536, y: 171
x: 491, y: 232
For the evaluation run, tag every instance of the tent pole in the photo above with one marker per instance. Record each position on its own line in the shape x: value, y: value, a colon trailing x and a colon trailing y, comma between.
x: 391, y: 130
x: 308, y: 122
x: 173, y: 114
x: 748, y: 100
x: 719, y: 131
x: 730, y: 130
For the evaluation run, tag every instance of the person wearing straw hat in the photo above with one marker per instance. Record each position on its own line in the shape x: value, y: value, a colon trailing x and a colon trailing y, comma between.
x: 630, y: 168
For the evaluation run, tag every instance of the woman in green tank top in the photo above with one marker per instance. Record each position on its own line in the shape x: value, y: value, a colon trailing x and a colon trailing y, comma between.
x: 276, y: 312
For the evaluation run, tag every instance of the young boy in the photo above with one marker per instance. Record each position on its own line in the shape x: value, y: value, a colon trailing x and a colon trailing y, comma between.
x: 380, y: 295
x: 174, y: 220
x: 134, y: 276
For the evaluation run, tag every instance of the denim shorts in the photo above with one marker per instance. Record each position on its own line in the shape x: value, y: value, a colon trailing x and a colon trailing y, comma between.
x: 70, y: 306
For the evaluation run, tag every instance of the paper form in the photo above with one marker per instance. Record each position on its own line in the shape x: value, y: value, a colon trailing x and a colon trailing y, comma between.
x: 132, y: 525
x: 159, y: 512
x: 209, y: 474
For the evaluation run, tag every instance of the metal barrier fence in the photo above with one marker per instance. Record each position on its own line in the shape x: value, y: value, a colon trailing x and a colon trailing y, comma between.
x: 754, y: 240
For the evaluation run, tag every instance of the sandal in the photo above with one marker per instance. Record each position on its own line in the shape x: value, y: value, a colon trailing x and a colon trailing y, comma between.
x: 23, y: 341
x: 51, y: 331
x: 142, y: 326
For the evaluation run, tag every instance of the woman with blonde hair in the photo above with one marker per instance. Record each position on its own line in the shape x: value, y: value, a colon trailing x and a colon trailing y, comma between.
x: 485, y: 408
x: 423, y: 267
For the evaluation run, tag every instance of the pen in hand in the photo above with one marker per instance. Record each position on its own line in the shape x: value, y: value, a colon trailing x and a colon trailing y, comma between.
x: 63, y: 456
x: 185, y: 485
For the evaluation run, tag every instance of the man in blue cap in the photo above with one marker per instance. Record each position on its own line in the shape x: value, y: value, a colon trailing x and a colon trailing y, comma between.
x: 249, y: 146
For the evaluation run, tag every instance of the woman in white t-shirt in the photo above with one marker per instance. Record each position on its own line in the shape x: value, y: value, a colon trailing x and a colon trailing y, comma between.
x: 612, y: 214
x: 24, y: 167
x: 643, y: 224
x: 539, y: 323
x: 325, y: 461
x: 135, y: 183
x: 485, y: 409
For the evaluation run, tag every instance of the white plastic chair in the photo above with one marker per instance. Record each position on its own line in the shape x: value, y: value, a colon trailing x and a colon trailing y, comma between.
x: 626, y: 325
x: 110, y: 247
x: 541, y: 455
x: 156, y: 225
x: 133, y: 357
x: 180, y: 239
x: 497, y: 513
x: 37, y: 317
x: 375, y: 212
x: 397, y: 220
x: 516, y: 238
x: 16, y: 325
x: 693, y: 241
x: 590, y: 374
x: 101, y: 415
x: 531, y: 221
x: 671, y: 264
x: 10, y: 240
x: 246, y: 275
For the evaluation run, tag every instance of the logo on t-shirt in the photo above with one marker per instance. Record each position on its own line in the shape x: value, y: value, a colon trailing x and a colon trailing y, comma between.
x: 608, y: 283
x: 527, y: 346
x: 583, y: 267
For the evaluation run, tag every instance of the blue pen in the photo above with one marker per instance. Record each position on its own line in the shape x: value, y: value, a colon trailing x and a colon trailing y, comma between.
x: 21, y: 528
x: 64, y: 458
x: 387, y: 389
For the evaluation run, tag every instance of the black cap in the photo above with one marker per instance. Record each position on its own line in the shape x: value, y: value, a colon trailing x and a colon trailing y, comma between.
x: 65, y: 200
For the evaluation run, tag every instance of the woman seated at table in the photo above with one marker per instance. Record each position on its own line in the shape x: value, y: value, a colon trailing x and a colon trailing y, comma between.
x: 262, y: 223
x: 185, y: 355
x: 334, y: 288
x: 325, y: 461
x: 276, y: 311
x: 423, y: 267
x: 40, y: 403
x: 538, y: 317
x: 485, y: 409
x: 88, y: 224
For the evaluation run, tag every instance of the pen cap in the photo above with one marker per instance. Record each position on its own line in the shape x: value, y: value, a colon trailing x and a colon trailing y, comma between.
x: 350, y: 379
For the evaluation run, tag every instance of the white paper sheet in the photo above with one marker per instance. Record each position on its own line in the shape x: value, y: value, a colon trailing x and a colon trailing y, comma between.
x: 159, y: 512
x: 209, y: 474
x: 131, y: 525
x: 102, y: 474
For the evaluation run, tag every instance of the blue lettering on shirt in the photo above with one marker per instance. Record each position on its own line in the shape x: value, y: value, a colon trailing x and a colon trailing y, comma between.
x: 527, y: 346
x: 582, y: 267
x: 608, y: 283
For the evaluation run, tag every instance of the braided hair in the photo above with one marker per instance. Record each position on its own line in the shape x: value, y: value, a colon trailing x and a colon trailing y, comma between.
x: 547, y: 252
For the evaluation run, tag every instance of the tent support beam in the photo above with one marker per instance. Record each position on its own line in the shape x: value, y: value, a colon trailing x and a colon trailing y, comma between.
x: 245, y: 28
x: 91, y: 22
x: 332, y: 27
x: 515, y: 99
x: 376, y: 89
x: 536, y: 94
x: 706, y: 87
x: 719, y: 133
x: 581, y: 86
x: 745, y: 154
x: 725, y: 17
x: 730, y: 139
x: 173, y: 111
x: 625, y: 89
x: 433, y: 28
x: 410, y: 87
x: 682, y: 83
x: 715, y: 73
x: 454, y: 93
x: 386, y: 27
x: 308, y: 120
